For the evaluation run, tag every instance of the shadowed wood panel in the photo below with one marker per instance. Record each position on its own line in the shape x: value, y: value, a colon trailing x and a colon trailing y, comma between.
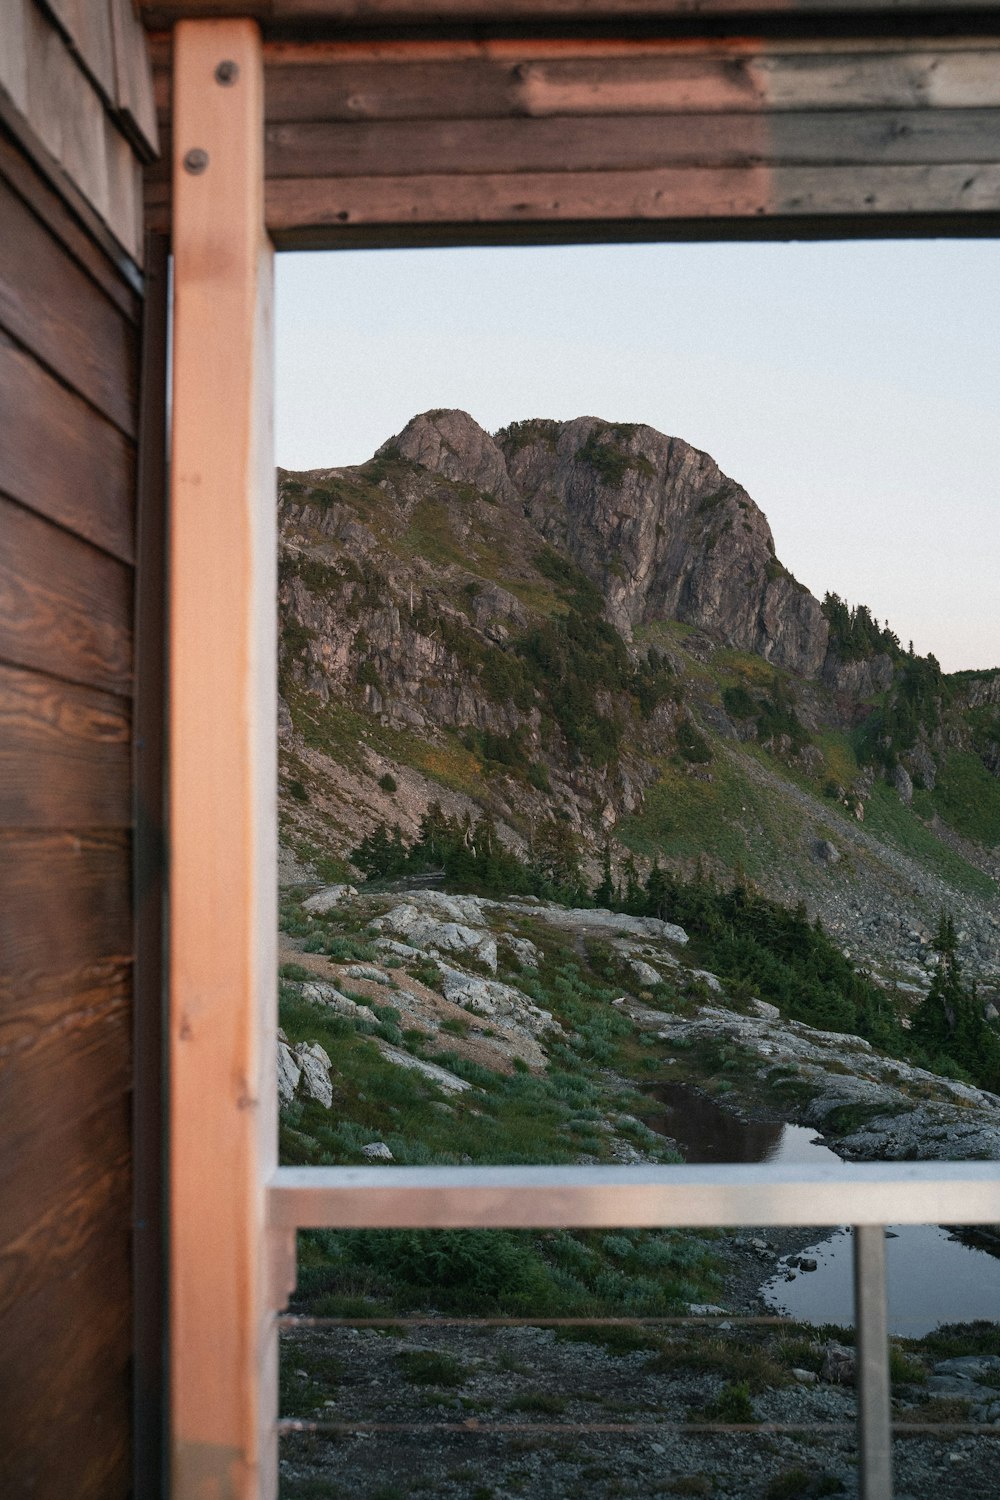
x: 61, y: 1185
x: 17, y: 170
x: 65, y: 925
x: 61, y: 459
x: 658, y: 196
x: 64, y: 1389
x: 51, y: 306
x: 56, y: 97
x: 64, y: 755
x: 65, y: 608
x: 619, y: 143
x: 375, y: 13
x: 87, y: 25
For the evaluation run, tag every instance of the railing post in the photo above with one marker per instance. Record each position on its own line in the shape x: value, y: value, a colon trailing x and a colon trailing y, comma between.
x: 223, y: 917
x: 873, y: 1387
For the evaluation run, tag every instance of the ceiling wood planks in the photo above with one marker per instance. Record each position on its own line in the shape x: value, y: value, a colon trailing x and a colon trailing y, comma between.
x: 411, y: 141
x: 372, y: 14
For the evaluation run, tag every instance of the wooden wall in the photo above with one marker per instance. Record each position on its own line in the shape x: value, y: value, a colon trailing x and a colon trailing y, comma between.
x: 70, y: 344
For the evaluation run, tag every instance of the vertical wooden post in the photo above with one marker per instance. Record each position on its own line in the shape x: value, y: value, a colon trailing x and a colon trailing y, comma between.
x: 222, y: 777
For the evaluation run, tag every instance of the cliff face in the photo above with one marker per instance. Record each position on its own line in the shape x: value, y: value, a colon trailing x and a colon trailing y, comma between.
x: 654, y: 522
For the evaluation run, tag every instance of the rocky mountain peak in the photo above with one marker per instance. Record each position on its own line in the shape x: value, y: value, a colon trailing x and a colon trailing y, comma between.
x: 452, y: 444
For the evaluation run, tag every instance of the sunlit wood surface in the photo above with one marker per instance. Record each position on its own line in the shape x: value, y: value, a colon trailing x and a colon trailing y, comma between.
x: 222, y: 782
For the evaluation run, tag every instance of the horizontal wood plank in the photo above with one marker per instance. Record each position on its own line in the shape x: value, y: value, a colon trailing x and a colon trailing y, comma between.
x: 620, y: 143
x: 65, y: 608
x: 64, y: 1377
x: 50, y: 305
x: 65, y: 927
x: 660, y: 196
x: 62, y: 459
x: 20, y: 172
x: 64, y: 755
x: 56, y: 1172
x: 641, y: 79
x: 87, y: 27
x: 59, y: 101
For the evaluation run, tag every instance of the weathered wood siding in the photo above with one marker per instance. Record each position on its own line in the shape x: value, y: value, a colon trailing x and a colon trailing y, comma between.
x: 513, y: 139
x: 70, y: 311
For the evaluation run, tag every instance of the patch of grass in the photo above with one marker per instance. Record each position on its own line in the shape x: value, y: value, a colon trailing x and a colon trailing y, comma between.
x: 544, y: 1403
x: 614, y: 1338
x: 749, y: 1366
x: 954, y: 1339
x: 732, y: 1404
x: 890, y: 819
x: 432, y: 1367
x: 942, y: 1409
x: 309, y: 1374
x: 967, y: 797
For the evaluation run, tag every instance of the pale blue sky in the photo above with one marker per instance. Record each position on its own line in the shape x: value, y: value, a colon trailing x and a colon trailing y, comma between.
x: 851, y: 388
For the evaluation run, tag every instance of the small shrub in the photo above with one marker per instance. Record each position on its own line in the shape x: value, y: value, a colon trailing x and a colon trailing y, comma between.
x: 432, y: 1367
x: 293, y: 971
x: 387, y: 782
x: 538, y: 1401
x: 298, y: 791
x: 732, y: 1404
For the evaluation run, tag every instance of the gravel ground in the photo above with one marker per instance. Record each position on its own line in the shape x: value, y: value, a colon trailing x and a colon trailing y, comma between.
x: 567, y: 1408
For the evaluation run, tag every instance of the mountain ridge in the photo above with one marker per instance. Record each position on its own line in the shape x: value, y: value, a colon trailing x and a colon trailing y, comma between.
x: 589, y: 621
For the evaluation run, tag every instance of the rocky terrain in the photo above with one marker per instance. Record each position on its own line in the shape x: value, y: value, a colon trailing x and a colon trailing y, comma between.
x: 588, y: 621
x: 566, y: 657
x: 408, y: 1015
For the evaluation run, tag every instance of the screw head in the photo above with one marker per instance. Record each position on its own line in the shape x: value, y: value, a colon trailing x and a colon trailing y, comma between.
x: 196, y: 161
x: 227, y: 72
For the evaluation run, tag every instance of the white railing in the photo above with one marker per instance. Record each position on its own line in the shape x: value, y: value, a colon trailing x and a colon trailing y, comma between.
x: 867, y: 1196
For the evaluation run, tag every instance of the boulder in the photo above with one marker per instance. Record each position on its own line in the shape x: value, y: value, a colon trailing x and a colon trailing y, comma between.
x: 644, y: 974
x: 319, y: 993
x: 450, y: 1082
x: 377, y: 1151
x: 315, y: 1065
x: 289, y: 1074
x: 839, y: 1364
x: 325, y: 900
x: 505, y: 1006
x: 420, y: 930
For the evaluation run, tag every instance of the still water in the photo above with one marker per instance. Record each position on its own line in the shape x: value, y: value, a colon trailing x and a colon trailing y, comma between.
x: 932, y: 1278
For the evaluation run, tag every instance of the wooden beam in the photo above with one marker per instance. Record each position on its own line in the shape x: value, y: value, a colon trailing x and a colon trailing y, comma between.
x: 223, y: 1013
x: 620, y: 143
x: 373, y: 14
x: 660, y: 197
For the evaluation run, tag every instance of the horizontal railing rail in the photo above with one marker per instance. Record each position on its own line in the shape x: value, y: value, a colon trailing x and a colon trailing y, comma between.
x: 866, y: 1196
x: 687, y: 1196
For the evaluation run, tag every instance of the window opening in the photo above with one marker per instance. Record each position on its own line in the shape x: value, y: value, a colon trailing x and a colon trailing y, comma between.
x: 495, y: 628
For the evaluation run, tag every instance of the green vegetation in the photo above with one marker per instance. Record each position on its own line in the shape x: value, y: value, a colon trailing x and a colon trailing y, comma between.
x: 855, y: 634
x: 967, y: 797
x: 525, y: 434
x: 773, y: 714
x: 472, y: 856
x: 891, y: 820
x: 949, y: 1025
x: 603, y: 452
